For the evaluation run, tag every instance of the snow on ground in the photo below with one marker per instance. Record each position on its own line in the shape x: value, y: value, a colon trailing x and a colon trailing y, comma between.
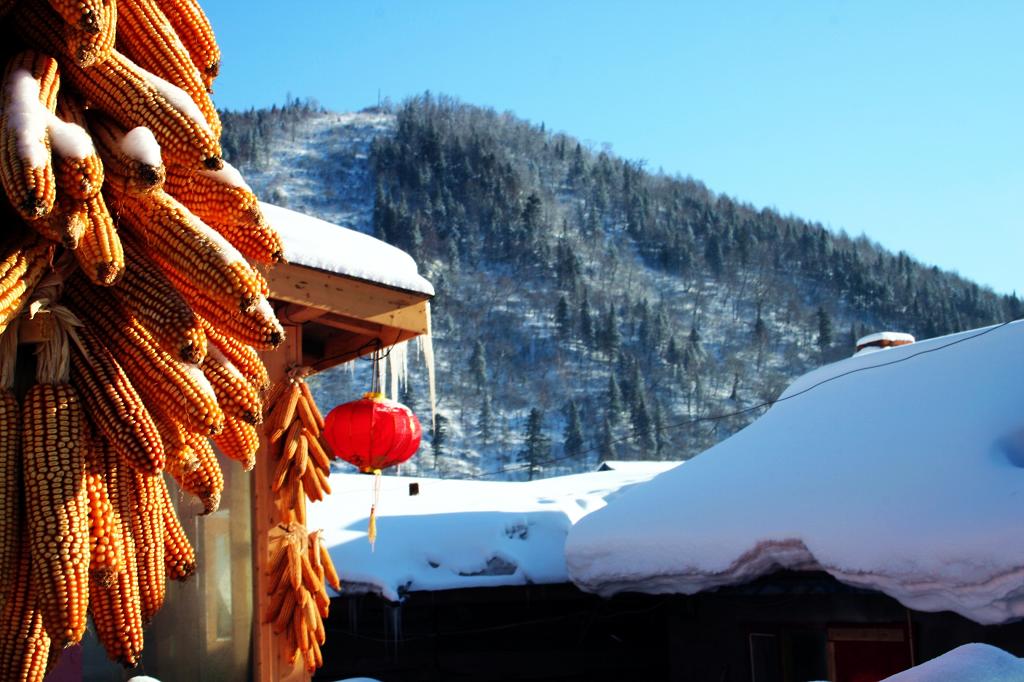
x: 318, y: 244
x: 901, y: 471
x: 967, y: 663
x: 458, y: 533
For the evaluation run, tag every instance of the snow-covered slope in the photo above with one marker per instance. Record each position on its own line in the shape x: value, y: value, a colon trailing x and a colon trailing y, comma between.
x: 901, y: 471
x: 320, y: 169
x: 968, y: 663
x: 456, y: 534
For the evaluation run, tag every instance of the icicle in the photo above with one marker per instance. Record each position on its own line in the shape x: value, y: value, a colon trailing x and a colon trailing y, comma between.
x: 398, y: 367
x: 426, y: 345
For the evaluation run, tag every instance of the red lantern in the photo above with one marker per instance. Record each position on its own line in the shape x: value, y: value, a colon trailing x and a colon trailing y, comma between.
x: 373, y: 433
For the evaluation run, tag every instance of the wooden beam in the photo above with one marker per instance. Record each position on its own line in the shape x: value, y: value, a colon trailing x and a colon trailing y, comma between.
x: 269, y: 664
x: 37, y: 329
x: 339, y: 350
x: 350, y: 297
x: 351, y: 324
x: 293, y: 313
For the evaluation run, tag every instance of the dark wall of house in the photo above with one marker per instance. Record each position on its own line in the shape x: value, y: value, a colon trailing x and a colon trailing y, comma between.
x: 779, y: 625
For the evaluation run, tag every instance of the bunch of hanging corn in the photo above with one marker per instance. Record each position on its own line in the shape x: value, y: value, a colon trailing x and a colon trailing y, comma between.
x: 298, y: 569
x: 294, y: 427
x: 297, y: 562
x: 119, y: 220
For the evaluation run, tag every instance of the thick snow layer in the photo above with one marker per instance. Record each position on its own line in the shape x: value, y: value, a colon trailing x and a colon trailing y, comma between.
x: 900, y: 471
x: 69, y: 140
x: 454, y: 533
x: 140, y: 144
x: 228, y: 175
x: 886, y: 336
x: 967, y: 663
x: 318, y: 244
x: 179, y: 99
x: 27, y: 118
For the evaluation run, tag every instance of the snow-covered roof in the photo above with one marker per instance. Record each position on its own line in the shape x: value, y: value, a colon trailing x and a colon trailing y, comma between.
x: 457, y: 533
x: 968, y: 663
x: 919, y: 498
x: 882, y: 340
x: 322, y: 245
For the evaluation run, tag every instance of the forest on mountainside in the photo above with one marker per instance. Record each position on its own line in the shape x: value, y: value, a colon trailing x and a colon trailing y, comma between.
x: 588, y: 308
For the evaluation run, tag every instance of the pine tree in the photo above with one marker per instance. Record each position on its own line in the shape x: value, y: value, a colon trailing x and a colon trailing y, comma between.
x: 606, y: 448
x: 485, y: 420
x: 586, y: 322
x: 536, y: 452
x: 611, y: 337
x: 439, y: 438
x: 613, y: 409
x: 563, y: 319
x: 643, y: 427
x: 824, y: 329
x: 693, y: 353
x: 573, y: 436
x: 478, y: 366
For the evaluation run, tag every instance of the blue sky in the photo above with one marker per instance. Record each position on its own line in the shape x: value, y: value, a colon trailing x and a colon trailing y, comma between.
x: 903, y: 121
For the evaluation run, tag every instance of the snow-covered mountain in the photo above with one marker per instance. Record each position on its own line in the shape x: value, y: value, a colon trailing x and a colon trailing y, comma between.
x: 586, y: 309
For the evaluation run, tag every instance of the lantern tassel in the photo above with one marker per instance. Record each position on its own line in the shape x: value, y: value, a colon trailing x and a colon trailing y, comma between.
x: 371, y: 531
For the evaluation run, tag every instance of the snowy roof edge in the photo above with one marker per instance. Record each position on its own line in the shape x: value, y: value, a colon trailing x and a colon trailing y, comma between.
x: 321, y: 245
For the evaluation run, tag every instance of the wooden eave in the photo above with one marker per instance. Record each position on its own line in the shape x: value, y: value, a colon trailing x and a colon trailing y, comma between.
x: 342, y: 317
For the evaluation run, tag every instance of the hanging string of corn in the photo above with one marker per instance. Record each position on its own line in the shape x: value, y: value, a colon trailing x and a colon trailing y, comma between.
x: 124, y: 228
x: 298, y: 563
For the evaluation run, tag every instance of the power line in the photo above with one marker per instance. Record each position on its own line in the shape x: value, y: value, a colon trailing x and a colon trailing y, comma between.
x: 747, y: 410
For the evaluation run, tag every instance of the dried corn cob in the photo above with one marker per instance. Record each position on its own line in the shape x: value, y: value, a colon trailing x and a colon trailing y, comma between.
x: 238, y: 441
x: 24, y: 644
x: 154, y: 301
x: 11, y: 536
x: 147, y: 37
x: 258, y: 327
x: 189, y: 251
x: 26, y: 258
x: 116, y: 609
x: 65, y: 224
x: 134, y: 97
x: 166, y: 384
x: 179, y: 556
x: 206, y: 482
x: 104, y: 532
x: 89, y: 48
x: 191, y: 24
x: 57, y: 508
x: 180, y: 459
x: 86, y: 15
x: 235, y: 395
x: 224, y: 201
x: 30, y: 82
x: 147, y: 528
x: 241, y: 355
x: 78, y: 168
x: 114, y: 405
x: 131, y: 159
x: 330, y: 575
x: 100, y: 253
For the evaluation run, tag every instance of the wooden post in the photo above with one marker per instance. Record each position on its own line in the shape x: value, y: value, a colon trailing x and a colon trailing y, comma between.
x: 269, y: 664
